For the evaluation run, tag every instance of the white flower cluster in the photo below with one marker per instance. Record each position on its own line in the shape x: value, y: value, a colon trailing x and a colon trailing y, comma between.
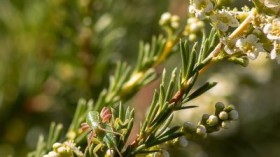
x: 193, y: 28
x: 259, y: 34
x: 169, y: 20
x: 67, y: 148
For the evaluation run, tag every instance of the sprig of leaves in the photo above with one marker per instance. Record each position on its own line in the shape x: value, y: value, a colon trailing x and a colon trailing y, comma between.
x: 173, y: 95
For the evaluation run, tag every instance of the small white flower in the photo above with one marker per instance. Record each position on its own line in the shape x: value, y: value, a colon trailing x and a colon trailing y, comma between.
x: 250, y: 46
x: 273, y: 29
x: 275, y: 53
x: 223, y: 19
x: 169, y: 20
x: 200, y: 7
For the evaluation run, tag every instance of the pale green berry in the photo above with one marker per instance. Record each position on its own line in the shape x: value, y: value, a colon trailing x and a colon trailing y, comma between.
x: 201, y: 130
x: 225, y: 124
x: 223, y: 115
x: 212, y: 120
x: 233, y: 115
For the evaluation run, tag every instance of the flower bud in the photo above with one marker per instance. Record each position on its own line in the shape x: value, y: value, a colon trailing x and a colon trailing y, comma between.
x: 212, y: 120
x: 219, y: 107
x: 56, y: 145
x: 165, y: 18
x: 225, y: 124
x: 223, y: 115
x: 109, y: 153
x: 233, y: 115
x: 229, y: 108
x: 189, y: 127
x: 201, y: 130
x: 192, y: 37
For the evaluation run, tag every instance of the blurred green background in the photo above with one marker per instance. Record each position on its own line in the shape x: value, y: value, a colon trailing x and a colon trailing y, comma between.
x: 53, y: 52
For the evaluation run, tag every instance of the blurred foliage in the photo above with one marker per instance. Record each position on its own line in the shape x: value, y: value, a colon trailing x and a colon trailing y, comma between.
x: 52, y: 52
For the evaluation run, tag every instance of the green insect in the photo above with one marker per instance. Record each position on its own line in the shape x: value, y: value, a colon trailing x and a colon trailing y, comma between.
x: 101, y: 129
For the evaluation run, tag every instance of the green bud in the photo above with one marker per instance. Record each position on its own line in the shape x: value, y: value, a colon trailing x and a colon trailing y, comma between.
x: 233, y: 115
x: 219, y: 107
x: 229, y: 108
x: 204, y: 119
x: 223, y: 115
x: 212, y: 120
x: 189, y: 127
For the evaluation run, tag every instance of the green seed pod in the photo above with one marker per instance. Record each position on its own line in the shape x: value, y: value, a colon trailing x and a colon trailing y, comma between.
x: 223, y: 115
